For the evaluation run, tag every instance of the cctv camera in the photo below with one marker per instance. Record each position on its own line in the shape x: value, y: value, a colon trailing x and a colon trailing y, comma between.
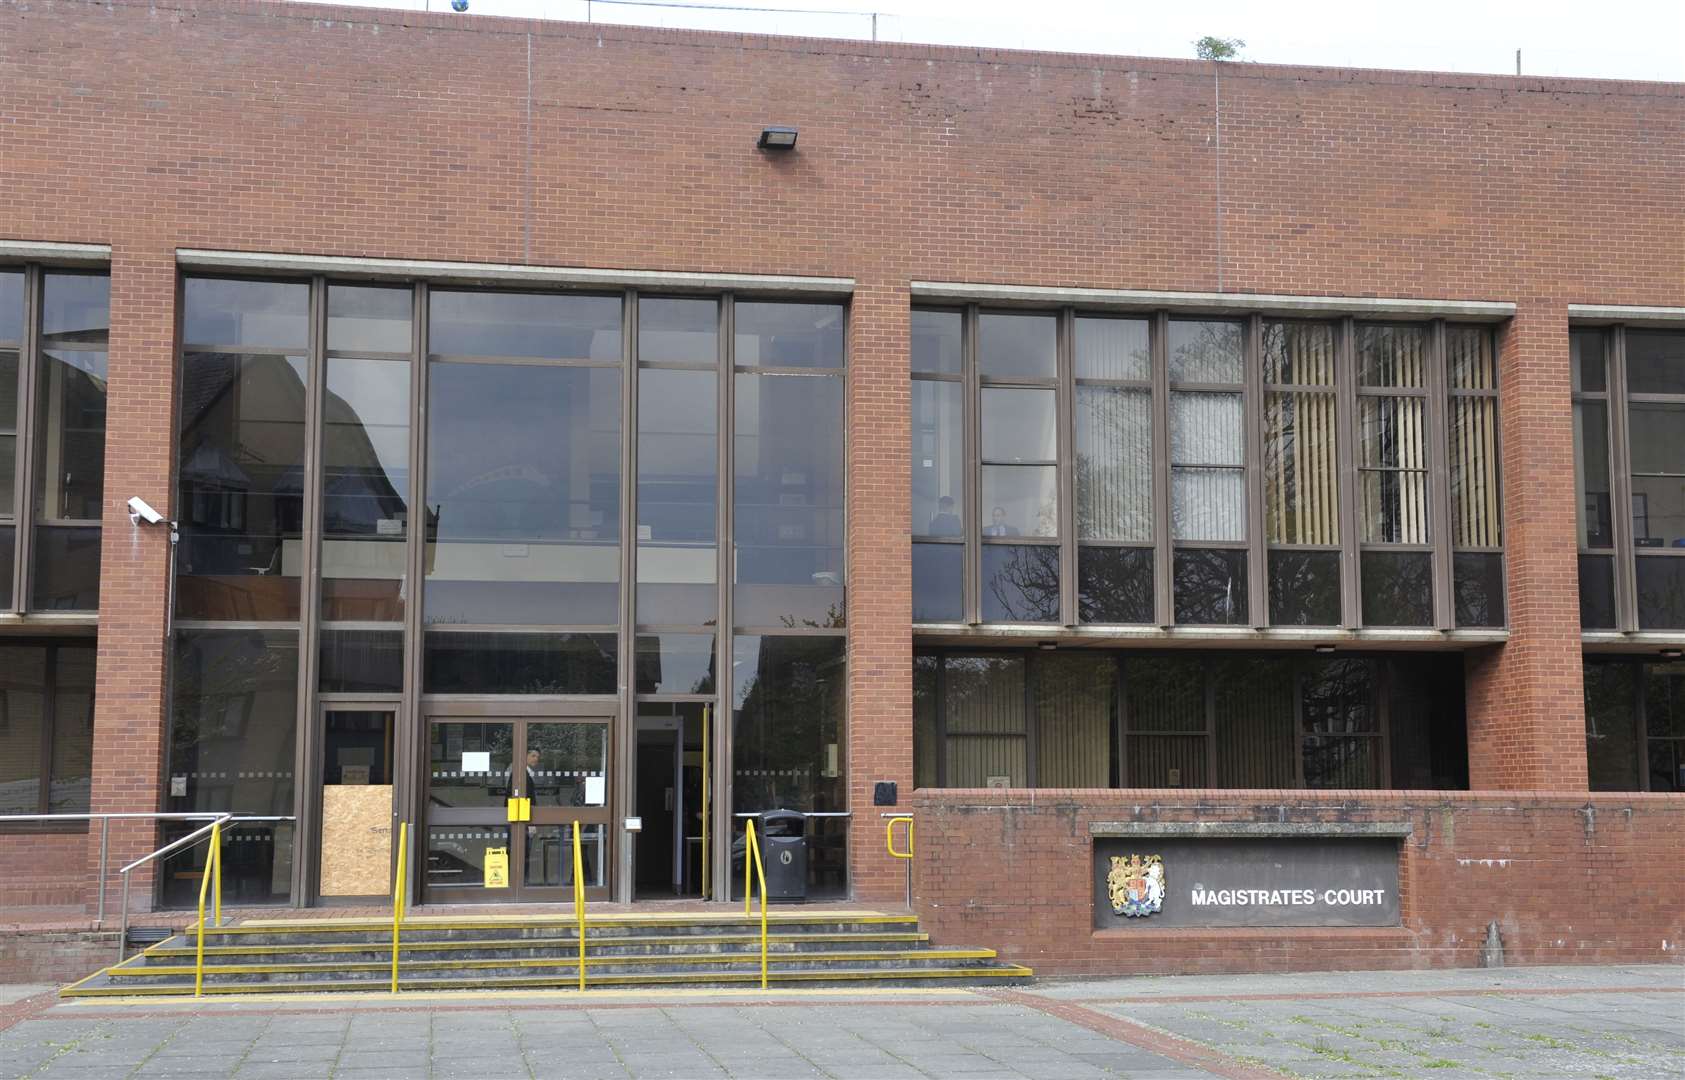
x: 140, y: 510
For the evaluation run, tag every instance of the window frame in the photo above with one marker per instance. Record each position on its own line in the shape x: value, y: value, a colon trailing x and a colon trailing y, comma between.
x: 49, y: 731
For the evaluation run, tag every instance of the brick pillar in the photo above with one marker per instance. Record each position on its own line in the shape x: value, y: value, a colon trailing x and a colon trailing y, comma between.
x: 1526, y: 709
x: 880, y: 605
x: 130, y: 726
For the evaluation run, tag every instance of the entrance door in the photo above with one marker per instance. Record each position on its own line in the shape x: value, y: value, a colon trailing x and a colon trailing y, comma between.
x: 355, y: 809
x: 502, y: 795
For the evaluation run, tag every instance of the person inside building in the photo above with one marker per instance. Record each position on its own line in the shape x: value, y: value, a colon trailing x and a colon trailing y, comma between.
x: 945, y: 522
x: 997, y: 524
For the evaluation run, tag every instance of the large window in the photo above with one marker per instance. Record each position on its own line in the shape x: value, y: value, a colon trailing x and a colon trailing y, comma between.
x: 1629, y: 458
x: 53, y: 331
x: 1093, y: 719
x: 1081, y: 468
x: 1635, y: 724
x: 46, y: 728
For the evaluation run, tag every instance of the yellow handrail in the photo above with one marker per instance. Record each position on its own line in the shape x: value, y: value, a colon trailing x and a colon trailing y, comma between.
x: 213, y: 869
x: 752, y: 856
x: 579, y: 901
x: 399, y: 880
x: 889, y: 836
x: 706, y: 875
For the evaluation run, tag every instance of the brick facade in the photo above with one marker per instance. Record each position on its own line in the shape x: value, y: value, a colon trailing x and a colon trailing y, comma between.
x: 264, y: 127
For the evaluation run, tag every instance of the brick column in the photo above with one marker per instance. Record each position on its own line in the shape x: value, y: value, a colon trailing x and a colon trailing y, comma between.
x: 880, y: 604
x: 130, y: 727
x: 1526, y: 706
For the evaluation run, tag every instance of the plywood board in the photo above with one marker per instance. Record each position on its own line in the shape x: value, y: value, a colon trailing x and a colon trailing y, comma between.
x: 356, y: 840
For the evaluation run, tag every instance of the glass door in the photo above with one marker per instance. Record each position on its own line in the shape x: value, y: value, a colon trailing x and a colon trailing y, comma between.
x: 502, y: 796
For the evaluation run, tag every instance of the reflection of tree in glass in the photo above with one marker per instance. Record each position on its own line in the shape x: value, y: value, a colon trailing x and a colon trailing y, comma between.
x: 1115, y: 585
x: 1025, y: 584
x: 1340, y: 721
x: 789, y: 708
x: 1210, y: 586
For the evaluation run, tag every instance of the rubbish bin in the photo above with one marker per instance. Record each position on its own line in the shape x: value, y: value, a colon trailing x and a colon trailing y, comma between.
x: 783, y: 842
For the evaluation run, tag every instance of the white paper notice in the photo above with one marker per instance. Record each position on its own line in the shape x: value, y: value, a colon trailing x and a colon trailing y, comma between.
x: 476, y: 761
x: 593, y: 791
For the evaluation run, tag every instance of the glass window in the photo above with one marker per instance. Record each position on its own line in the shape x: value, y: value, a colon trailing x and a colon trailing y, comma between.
x: 682, y: 331
x: 1114, y: 463
x: 1477, y: 583
x: 1657, y: 433
x: 1020, y: 583
x: 1301, y: 451
x: 788, y: 335
x: 787, y: 729
x: 938, y: 570
x: 1597, y: 592
x: 555, y: 326
x: 1304, y: 587
x: 1112, y: 349
x: 1611, y: 693
x: 1209, y: 585
x: 678, y: 500
x: 365, y: 488
x: 369, y: 319
x: 11, y: 345
x: 1392, y: 435
x: 926, y: 752
x: 11, y: 306
x: 1205, y: 352
x: 1588, y: 364
x: 1115, y: 585
x: 1661, y: 592
x: 459, y: 662
x: 523, y: 495
x: 1476, y: 519
x: 1664, y: 725
x: 1022, y: 500
x: 361, y: 661
x: 938, y: 459
x: 1655, y: 361
x: 1342, y: 735
x: 1019, y: 425
x: 936, y: 341
x: 788, y: 500
x: 985, y: 725
x: 1168, y: 742
x: 46, y: 728
x: 222, y: 315
x: 1017, y: 346
x: 675, y: 663
x: 1593, y: 502
x: 1076, y: 706
x: 1207, y: 467
x: 1397, y: 588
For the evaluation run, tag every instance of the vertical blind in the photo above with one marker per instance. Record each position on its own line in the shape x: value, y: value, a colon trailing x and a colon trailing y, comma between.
x: 1301, y: 469
x: 1114, y: 446
x: 1392, y: 433
x: 1474, y: 438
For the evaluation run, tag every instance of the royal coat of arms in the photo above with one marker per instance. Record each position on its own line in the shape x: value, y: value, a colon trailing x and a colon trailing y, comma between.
x: 1135, y: 884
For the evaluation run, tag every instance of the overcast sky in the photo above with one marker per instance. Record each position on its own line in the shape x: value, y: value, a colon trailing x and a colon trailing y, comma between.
x: 1625, y: 39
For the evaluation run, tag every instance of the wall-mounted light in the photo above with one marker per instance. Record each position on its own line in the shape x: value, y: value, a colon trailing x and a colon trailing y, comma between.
x: 1324, y: 648
x: 1673, y: 654
x: 777, y: 138
x: 1047, y: 646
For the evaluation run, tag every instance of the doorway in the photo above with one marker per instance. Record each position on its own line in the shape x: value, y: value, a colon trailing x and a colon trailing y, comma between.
x: 669, y: 850
x: 355, y: 805
x: 503, y: 793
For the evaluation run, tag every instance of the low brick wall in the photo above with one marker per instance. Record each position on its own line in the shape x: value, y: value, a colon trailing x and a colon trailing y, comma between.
x: 1568, y: 879
x: 42, y: 869
x: 54, y: 956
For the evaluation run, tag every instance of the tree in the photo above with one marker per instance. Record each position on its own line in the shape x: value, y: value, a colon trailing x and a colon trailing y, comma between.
x: 1216, y: 48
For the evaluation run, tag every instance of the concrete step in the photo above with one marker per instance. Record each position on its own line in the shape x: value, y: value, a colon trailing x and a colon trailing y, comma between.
x: 180, y: 950
x: 469, y: 929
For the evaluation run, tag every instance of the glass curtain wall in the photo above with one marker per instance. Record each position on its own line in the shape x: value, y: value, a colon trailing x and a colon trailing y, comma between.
x: 46, y: 728
x: 1083, y: 468
x: 1635, y: 724
x: 54, y: 326
x: 1594, y: 499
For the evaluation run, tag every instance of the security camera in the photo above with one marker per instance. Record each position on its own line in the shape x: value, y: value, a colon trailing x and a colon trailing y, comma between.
x: 140, y: 510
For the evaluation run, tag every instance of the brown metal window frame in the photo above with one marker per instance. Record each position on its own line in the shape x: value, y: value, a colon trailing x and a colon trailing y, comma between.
x: 1494, y: 394
x: 1434, y: 392
x: 26, y: 433
x: 49, y: 730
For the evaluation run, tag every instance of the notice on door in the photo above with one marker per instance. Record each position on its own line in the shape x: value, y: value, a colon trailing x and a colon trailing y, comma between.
x: 497, y: 868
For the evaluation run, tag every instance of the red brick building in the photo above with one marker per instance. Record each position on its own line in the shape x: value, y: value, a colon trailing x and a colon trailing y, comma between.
x: 1129, y: 455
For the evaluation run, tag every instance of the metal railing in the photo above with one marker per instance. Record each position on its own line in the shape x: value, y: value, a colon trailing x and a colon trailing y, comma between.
x: 579, y: 900
x: 752, y: 858
x: 399, y: 888
x: 889, y: 842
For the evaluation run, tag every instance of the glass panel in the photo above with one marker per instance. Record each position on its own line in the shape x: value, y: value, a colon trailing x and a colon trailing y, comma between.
x: 925, y: 750
x: 365, y: 488
x: 362, y: 317
x: 788, y: 335
x: 938, y: 570
x: 680, y: 331
x: 455, y: 662
x: 469, y: 764
x: 11, y: 306
x: 233, y: 729
x: 1340, y: 723
x: 357, y: 747
x: 66, y: 570
x: 1207, y: 504
x: 1597, y: 592
x: 1667, y: 764
x: 1611, y: 725
x: 1019, y: 425
x: 8, y: 475
x: 8, y: 547
x: 1165, y: 693
x: 1301, y: 469
x: 1392, y: 356
x: 1022, y: 500
x: 1657, y: 434
x: 1020, y: 583
x: 1017, y: 346
x: 523, y: 493
x: 936, y: 341
x: 993, y: 761
x: 1478, y: 588
x: 1115, y: 585
x: 1304, y: 588
x: 549, y: 856
x: 984, y: 695
x: 1206, y: 429
x: 561, y: 757
x: 1427, y: 729
x: 1298, y: 352
x: 71, y: 787
x: 1664, y: 701
x: 1335, y: 762
x: 241, y: 478
x: 1469, y: 363
x: 1114, y: 463
x: 1205, y: 352
x: 788, y: 501
x: 1587, y: 349
x: 1254, y: 712
x: 678, y: 501
x: 456, y: 854
x: 1168, y: 761
x: 1656, y: 443
x: 1655, y: 362
x: 787, y: 724
x: 1392, y: 435
x: 1076, y: 702
x: 70, y: 446
x: 362, y: 661
x: 938, y: 459
x: 1209, y: 586
x: 675, y: 663
x: 559, y: 326
x: 1661, y: 592
x: 23, y: 720
x: 1397, y: 588
x: 1112, y: 349
x: 1593, y: 502
x: 225, y: 314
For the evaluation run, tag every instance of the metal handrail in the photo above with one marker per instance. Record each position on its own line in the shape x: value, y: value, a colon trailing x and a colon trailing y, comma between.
x: 752, y: 857
x: 213, y: 870
x: 579, y: 899
x: 398, y: 890
x: 176, y: 845
x: 707, y: 810
x: 889, y: 842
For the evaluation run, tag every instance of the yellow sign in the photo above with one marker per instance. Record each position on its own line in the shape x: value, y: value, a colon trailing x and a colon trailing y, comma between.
x: 520, y: 809
x: 497, y: 868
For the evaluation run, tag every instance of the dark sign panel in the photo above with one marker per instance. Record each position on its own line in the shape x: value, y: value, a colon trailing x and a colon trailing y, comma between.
x: 1155, y: 881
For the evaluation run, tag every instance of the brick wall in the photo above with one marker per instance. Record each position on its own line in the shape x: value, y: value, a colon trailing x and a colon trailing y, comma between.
x: 41, y: 869
x: 230, y: 124
x: 1568, y: 880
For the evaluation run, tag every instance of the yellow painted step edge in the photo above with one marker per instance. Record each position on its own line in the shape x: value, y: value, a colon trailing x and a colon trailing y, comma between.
x: 865, y: 937
x: 308, y: 926
x: 140, y: 971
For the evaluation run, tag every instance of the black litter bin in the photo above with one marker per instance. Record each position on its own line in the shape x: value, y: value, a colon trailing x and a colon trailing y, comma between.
x: 783, y: 842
